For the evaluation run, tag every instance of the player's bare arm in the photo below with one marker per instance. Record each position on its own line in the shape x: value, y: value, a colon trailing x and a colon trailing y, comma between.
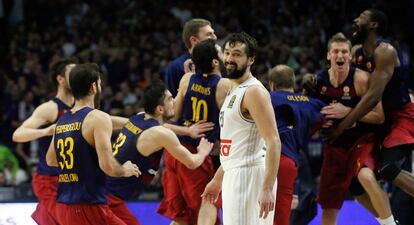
x: 118, y: 122
x: 223, y: 87
x: 179, y: 99
x: 29, y: 130
x: 339, y: 111
x: 51, y: 159
x: 385, y: 61
x: 159, y: 137
x: 97, y: 130
x: 376, y: 115
x: 259, y: 107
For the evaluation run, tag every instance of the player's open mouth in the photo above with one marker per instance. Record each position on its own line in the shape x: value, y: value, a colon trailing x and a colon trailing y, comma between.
x: 340, y: 63
x: 355, y: 29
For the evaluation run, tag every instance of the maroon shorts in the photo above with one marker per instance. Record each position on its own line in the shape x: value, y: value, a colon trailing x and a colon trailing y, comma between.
x: 45, y: 189
x: 340, y: 165
x: 401, y: 127
x: 86, y: 214
x: 119, y: 208
x: 285, y: 183
x: 183, y: 188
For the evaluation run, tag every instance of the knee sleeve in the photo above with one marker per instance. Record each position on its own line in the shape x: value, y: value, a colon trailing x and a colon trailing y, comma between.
x: 389, y: 171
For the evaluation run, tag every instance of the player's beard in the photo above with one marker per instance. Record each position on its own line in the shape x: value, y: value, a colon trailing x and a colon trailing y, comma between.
x: 359, y: 35
x: 97, y: 99
x: 236, y: 73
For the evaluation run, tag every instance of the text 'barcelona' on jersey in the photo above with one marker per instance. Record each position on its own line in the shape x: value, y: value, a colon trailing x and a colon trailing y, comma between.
x: 80, y: 178
x: 396, y: 93
x: 345, y: 92
x: 124, y: 149
x: 200, y: 104
x: 44, y: 142
x: 297, y: 116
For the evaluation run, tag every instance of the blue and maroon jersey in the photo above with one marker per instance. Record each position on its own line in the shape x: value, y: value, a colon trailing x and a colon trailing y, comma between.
x: 298, y: 116
x: 125, y: 148
x: 174, y: 72
x: 80, y: 178
x: 396, y: 93
x: 345, y: 92
x: 44, y: 142
x: 346, y: 95
x: 200, y: 104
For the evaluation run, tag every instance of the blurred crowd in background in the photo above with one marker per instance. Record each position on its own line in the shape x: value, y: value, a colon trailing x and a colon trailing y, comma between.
x: 133, y: 42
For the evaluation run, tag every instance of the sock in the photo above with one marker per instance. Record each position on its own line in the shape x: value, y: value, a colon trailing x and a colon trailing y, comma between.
x: 387, y: 221
x: 378, y: 219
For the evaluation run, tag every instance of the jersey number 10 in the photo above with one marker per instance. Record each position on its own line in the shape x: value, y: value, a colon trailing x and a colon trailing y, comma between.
x: 196, y: 105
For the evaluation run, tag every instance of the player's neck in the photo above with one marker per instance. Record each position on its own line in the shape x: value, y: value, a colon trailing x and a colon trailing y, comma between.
x: 370, y: 44
x: 337, y: 77
x: 65, y: 96
x: 158, y: 118
x: 84, y: 102
x: 290, y: 90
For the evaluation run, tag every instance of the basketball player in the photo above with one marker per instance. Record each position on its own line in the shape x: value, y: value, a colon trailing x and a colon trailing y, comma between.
x: 199, y: 97
x: 194, y: 31
x: 81, y: 148
x: 350, y: 160
x: 40, y: 125
x: 141, y: 141
x: 388, y: 83
x: 297, y: 116
x: 247, y: 175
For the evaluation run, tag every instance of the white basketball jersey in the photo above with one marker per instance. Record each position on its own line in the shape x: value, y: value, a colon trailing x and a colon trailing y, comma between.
x: 241, y: 143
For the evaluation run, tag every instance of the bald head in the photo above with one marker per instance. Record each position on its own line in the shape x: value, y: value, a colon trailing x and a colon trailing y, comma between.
x: 281, y: 77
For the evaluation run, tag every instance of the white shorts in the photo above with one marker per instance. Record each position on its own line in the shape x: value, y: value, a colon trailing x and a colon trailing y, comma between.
x: 240, y: 194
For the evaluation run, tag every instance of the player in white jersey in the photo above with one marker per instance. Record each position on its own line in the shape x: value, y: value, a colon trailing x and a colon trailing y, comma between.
x: 247, y: 176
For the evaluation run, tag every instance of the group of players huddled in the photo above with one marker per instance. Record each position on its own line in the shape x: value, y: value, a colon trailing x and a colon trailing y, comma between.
x: 226, y: 141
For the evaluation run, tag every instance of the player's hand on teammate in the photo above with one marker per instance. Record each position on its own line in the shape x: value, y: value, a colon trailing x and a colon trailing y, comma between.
x: 335, y: 111
x: 205, y: 146
x: 50, y: 130
x: 130, y: 169
x: 198, y: 129
x: 211, y: 192
x: 266, y: 202
x: 189, y: 66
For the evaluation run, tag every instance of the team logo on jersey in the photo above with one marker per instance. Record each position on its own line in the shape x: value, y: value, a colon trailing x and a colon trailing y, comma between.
x: 230, y: 105
x: 346, y: 95
x: 323, y: 90
x: 225, y: 145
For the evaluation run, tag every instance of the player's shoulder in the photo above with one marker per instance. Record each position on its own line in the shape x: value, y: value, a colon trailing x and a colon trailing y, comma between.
x: 47, y: 109
x: 385, y: 48
x: 98, y: 116
x: 361, y: 75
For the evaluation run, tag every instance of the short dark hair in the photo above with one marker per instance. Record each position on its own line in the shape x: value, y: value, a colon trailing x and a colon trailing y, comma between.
x: 203, y: 53
x: 82, y: 76
x: 59, y: 69
x: 191, y: 28
x: 282, y: 76
x: 243, y: 38
x: 153, y: 96
x: 382, y: 20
